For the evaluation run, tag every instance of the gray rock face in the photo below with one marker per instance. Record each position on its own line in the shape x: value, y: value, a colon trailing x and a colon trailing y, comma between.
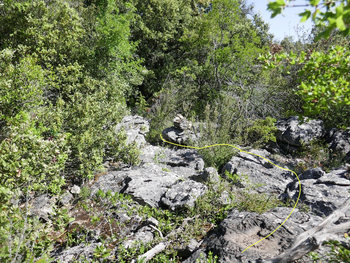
x: 75, y: 190
x: 339, y: 142
x: 65, y: 198
x: 242, y: 229
x: 254, y: 170
x: 42, y: 206
x: 324, y: 194
x: 289, y: 131
x: 183, y: 194
x: 82, y: 250
x: 181, y: 161
x: 178, y: 136
x: 181, y: 133
x: 136, y: 128
x: 208, y: 175
x: 312, y: 174
x: 160, y: 169
x: 144, y: 235
x: 148, y: 184
x: 112, y: 181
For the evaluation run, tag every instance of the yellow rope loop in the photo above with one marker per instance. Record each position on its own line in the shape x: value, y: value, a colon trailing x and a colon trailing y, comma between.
x: 260, y: 157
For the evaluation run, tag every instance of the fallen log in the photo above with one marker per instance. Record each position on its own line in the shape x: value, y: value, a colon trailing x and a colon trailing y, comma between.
x: 314, y: 237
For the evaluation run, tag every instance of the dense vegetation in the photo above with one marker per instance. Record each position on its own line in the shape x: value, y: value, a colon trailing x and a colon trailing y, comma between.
x: 70, y: 70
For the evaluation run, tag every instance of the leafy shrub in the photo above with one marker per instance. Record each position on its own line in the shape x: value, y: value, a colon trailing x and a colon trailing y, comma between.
x: 30, y: 161
x: 261, y: 132
x: 167, y: 103
x: 323, y: 82
x: 22, y: 238
x: 218, y: 128
x: 20, y: 83
x: 52, y: 69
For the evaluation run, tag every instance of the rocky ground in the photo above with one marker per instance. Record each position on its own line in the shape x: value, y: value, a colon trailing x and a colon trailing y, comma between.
x: 171, y: 204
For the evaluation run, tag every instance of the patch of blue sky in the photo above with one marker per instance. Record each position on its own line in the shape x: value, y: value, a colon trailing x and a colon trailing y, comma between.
x: 285, y: 25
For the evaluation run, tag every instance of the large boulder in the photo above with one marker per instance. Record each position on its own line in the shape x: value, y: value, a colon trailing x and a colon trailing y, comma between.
x: 322, y: 192
x: 160, y: 169
x: 183, y: 194
x: 253, y: 170
x: 209, y: 174
x: 242, y: 229
x: 339, y: 142
x: 291, y: 132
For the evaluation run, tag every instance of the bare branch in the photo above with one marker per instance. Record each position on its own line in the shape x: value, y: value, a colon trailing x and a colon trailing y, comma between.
x: 314, y: 237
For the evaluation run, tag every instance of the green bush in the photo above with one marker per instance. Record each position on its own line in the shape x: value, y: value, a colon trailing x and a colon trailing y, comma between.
x: 323, y: 82
x: 22, y: 238
x: 261, y: 132
x: 30, y: 161
x: 218, y: 127
x: 71, y: 66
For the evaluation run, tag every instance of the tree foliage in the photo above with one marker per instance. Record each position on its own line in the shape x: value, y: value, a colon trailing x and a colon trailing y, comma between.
x: 67, y: 70
x: 327, y: 14
x: 323, y: 82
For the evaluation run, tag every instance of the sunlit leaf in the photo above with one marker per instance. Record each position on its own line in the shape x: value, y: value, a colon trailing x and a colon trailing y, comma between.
x: 305, y: 15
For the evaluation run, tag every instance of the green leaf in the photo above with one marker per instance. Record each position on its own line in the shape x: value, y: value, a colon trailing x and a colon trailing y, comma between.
x: 325, y: 34
x: 275, y: 8
x: 314, y: 2
x: 281, y: 2
x: 314, y: 14
x: 340, y: 23
x: 305, y: 15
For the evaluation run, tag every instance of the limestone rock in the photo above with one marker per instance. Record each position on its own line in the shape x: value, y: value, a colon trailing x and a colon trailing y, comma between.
x: 291, y: 132
x: 181, y: 133
x: 75, y: 190
x: 183, y: 194
x: 181, y: 123
x: 208, y: 175
x: 339, y: 142
x: 314, y: 173
x: 136, y: 128
x: 256, y: 171
x: 324, y: 194
x: 160, y: 169
x: 242, y: 229
x: 42, y: 206
x: 66, y: 198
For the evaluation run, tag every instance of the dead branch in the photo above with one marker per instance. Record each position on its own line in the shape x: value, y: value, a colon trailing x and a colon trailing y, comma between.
x: 162, y: 245
x: 314, y: 237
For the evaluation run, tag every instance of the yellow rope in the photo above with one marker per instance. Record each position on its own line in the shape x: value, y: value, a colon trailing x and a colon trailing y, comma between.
x: 223, y: 144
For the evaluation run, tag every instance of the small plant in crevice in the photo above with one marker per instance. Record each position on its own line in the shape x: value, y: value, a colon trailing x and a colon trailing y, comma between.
x: 340, y: 252
x: 256, y: 202
x: 23, y: 238
x: 301, y: 206
x: 237, y: 179
x: 315, y: 257
x: 318, y: 154
x: 210, y: 259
